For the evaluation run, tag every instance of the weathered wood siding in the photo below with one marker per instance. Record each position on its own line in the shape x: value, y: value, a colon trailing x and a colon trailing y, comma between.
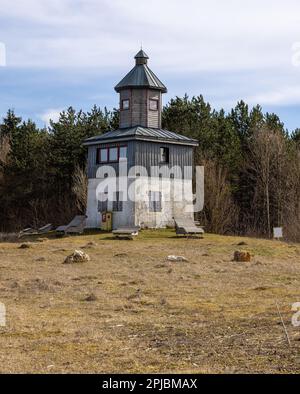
x: 154, y: 117
x: 147, y: 154
x: 125, y: 115
x: 139, y: 113
x: 139, y: 107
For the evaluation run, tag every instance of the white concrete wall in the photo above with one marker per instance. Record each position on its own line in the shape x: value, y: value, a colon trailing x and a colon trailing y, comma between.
x: 93, y: 216
x: 124, y: 218
x: 137, y: 212
x: 170, y: 188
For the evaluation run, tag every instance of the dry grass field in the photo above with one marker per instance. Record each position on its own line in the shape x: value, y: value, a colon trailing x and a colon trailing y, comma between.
x: 130, y: 310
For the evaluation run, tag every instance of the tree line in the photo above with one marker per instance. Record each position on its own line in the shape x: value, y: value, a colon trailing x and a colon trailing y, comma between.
x: 252, y: 166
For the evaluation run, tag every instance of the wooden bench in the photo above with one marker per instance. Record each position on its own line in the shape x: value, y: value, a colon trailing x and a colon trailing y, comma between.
x: 186, y: 226
x: 31, y: 231
x: 76, y: 226
x: 126, y: 232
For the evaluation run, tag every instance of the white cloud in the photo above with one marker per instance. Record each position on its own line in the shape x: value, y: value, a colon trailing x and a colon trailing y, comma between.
x: 2, y: 55
x: 50, y: 114
x: 194, y: 35
x: 227, y: 50
x: 296, y: 54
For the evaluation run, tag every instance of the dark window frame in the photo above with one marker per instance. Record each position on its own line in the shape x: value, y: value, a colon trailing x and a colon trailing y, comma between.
x: 167, y: 150
x: 151, y: 100
x: 115, y: 160
x: 122, y: 104
x: 98, y: 154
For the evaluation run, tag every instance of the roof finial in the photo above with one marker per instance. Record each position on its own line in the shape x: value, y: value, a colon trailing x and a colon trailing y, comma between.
x: 141, y: 57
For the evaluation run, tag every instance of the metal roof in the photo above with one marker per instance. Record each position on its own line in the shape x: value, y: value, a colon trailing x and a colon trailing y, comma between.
x: 141, y: 76
x: 141, y: 133
x: 141, y: 54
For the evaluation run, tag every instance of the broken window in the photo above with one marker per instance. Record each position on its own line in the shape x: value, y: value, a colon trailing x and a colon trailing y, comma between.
x: 164, y: 155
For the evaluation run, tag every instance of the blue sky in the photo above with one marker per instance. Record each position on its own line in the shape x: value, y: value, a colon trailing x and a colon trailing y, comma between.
x: 57, y: 53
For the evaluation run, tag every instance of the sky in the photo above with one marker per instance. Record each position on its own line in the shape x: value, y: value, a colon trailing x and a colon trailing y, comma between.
x: 60, y: 53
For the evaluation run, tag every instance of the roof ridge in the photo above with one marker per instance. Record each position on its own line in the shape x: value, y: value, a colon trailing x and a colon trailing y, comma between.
x: 140, y: 132
x: 149, y: 76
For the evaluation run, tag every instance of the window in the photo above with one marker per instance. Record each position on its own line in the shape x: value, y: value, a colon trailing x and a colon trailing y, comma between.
x: 155, y: 201
x: 153, y: 105
x: 106, y: 155
x: 125, y: 104
x: 123, y: 152
x: 118, y: 202
x: 113, y: 154
x: 164, y: 155
x: 103, y: 156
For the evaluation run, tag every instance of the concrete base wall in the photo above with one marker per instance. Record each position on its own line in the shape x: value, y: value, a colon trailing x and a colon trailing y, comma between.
x: 177, y: 200
x: 176, y: 196
x: 93, y: 216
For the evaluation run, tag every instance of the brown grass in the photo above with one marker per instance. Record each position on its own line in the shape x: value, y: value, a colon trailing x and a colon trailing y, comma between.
x: 149, y: 315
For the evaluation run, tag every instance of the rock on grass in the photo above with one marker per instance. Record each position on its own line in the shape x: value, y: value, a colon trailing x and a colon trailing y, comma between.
x: 121, y: 255
x: 90, y: 297
x: 77, y: 257
x: 177, y: 259
x: 89, y: 245
x: 25, y: 246
x: 241, y: 256
x: 40, y: 259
